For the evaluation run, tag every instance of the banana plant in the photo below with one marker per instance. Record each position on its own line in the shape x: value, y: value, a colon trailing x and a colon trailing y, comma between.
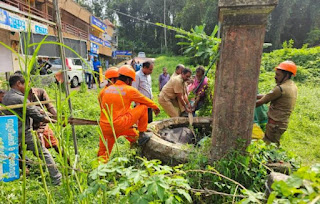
x: 200, y: 46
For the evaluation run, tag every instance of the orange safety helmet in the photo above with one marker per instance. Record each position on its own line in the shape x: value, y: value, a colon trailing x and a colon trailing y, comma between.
x: 127, y: 70
x: 112, y: 72
x: 288, y: 66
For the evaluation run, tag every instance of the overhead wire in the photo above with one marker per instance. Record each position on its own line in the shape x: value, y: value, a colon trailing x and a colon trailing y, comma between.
x: 146, y: 21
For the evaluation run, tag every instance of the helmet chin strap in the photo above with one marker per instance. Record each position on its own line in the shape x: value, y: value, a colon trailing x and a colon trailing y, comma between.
x: 283, y: 78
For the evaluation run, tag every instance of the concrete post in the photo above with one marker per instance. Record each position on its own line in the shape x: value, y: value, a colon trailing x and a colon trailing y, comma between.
x: 243, y: 30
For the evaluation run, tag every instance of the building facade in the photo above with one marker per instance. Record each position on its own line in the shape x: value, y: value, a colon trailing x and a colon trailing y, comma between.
x: 82, y: 31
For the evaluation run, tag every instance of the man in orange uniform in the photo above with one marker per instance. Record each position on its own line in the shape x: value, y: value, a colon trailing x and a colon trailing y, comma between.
x: 111, y: 75
x: 118, y: 98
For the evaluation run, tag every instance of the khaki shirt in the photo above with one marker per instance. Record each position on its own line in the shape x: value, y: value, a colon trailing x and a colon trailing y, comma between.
x: 175, y: 74
x: 283, y: 99
x: 174, y: 86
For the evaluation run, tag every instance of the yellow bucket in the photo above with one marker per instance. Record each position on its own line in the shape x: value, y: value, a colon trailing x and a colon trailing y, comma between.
x: 257, y: 132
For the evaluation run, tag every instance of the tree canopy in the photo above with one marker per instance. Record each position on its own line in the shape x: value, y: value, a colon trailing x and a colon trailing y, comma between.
x: 291, y: 19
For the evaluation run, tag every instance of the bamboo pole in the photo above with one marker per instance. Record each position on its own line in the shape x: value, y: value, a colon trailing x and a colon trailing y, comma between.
x: 63, y: 60
x: 21, y: 105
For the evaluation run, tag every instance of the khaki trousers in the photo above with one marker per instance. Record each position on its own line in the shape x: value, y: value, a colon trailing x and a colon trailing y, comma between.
x: 273, y: 132
x: 172, y: 107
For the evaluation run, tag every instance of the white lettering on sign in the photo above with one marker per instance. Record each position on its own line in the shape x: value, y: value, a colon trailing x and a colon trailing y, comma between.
x: 11, y: 132
x: 12, y: 165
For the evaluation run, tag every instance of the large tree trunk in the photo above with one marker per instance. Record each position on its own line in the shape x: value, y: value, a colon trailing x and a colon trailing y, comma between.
x: 243, y: 30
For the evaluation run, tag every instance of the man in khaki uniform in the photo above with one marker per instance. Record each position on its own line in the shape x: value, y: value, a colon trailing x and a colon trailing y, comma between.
x: 172, y: 96
x: 178, y: 71
x: 283, y: 98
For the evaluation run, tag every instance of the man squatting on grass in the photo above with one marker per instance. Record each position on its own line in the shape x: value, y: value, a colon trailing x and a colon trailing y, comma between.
x: 16, y: 96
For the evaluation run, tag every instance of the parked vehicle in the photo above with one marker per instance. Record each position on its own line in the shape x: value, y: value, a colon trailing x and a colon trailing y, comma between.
x: 141, y: 54
x: 74, y: 67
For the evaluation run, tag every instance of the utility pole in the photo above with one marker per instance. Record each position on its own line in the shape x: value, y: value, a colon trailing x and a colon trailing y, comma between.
x: 164, y: 22
x: 64, y: 70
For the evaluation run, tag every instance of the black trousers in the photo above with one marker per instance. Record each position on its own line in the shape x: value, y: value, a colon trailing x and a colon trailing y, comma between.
x: 150, y: 115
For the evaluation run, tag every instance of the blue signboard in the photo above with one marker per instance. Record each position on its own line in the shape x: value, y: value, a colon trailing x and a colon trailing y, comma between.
x: 94, y: 48
x: 96, y: 23
x: 123, y: 53
x: 4, y: 17
x: 9, y: 148
x: 96, y: 39
x: 17, y: 23
x: 40, y: 29
x: 106, y: 43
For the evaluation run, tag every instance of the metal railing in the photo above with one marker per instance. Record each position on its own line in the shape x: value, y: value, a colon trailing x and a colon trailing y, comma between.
x: 68, y: 28
x: 25, y: 7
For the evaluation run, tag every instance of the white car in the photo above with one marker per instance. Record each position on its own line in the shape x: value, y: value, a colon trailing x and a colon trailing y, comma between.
x: 141, y: 54
x: 74, y: 67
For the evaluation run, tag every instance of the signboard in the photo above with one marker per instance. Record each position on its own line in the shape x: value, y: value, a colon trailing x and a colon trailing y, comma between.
x: 12, y: 22
x: 94, y: 48
x: 96, y: 23
x: 107, y: 44
x: 17, y: 23
x: 9, y: 148
x: 106, y: 37
x: 39, y: 28
x: 4, y: 19
x: 96, y: 39
x: 123, y: 53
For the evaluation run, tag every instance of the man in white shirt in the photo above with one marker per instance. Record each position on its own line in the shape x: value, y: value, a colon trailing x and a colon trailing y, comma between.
x: 143, y: 83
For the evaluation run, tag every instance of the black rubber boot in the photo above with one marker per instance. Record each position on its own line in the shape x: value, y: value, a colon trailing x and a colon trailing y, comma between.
x: 143, y: 138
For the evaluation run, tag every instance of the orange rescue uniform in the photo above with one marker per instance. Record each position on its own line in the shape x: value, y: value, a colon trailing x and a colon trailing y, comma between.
x: 118, y: 98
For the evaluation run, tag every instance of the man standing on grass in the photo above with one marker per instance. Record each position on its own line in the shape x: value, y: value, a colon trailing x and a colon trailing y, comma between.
x: 144, y: 85
x: 163, y: 78
x: 16, y: 96
x: 282, y: 101
x: 88, y: 70
x: 96, y: 66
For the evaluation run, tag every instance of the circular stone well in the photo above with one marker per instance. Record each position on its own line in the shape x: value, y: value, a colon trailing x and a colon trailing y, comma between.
x: 168, y: 152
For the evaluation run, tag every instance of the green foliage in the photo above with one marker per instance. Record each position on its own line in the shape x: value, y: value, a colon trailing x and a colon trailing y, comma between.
x: 148, y: 182
x: 307, y: 59
x: 302, y: 186
x: 313, y: 37
x: 249, y: 169
x: 200, y: 47
x: 288, y: 45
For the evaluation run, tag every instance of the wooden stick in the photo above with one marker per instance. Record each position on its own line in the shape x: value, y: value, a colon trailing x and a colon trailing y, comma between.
x: 28, y: 104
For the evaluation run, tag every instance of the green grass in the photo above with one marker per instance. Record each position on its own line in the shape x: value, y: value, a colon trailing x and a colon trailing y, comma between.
x: 301, y: 138
x: 303, y: 133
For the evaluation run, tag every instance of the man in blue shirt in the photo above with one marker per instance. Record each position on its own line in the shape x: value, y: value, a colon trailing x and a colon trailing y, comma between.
x: 96, y: 66
x: 138, y: 66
